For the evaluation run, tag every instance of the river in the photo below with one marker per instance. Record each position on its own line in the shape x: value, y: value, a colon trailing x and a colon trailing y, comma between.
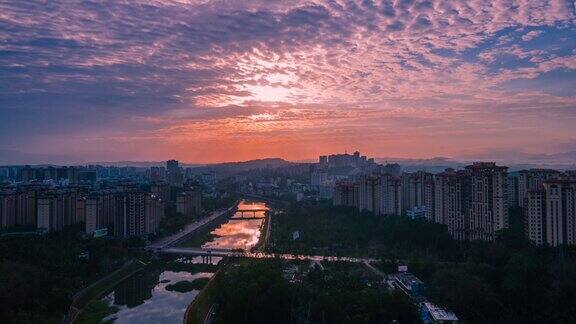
x: 238, y: 233
x: 143, y: 297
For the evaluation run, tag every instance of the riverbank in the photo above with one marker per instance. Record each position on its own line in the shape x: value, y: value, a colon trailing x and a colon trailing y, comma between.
x: 264, y: 234
x: 199, y: 225
x: 96, y: 290
x: 198, y: 311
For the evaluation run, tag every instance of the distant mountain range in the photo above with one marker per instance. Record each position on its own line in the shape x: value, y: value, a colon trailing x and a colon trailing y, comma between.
x: 515, y: 160
x: 233, y: 167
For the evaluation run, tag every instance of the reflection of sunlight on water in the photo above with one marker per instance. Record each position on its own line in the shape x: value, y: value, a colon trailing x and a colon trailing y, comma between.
x: 250, y: 205
x: 239, y: 234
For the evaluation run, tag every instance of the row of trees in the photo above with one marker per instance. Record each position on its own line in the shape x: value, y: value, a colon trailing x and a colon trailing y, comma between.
x: 40, y: 274
x: 256, y: 292
x: 506, y: 281
x: 346, y: 231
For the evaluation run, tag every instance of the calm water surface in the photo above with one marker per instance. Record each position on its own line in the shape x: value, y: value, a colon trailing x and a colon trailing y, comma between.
x: 143, y: 298
x: 239, y: 233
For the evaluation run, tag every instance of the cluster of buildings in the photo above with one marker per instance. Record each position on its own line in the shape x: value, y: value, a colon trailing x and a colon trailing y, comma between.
x: 548, y: 202
x: 345, y: 160
x: 125, y: 208
x: 337, y: 167
x: 128, y: 211
x: 69, y: 174
x: 472, y: 203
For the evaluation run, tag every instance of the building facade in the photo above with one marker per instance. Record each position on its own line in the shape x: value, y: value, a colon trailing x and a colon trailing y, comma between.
x: 452, y: 195
x: 560, y: 211
x: 535, y: 216
x: 346, y: 194
x: 189, y: 202
x: 489, y: 200
x: 533, y: 179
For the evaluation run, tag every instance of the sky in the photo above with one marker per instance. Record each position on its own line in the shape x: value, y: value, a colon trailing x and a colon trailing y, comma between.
x: 224, y: 80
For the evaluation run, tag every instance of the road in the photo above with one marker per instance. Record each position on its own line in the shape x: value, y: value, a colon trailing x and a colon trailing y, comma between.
x: 175, y: 238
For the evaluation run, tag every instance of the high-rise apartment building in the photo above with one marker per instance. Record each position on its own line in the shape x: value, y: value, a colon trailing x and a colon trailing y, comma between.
x: 535, y: 215
x: 154, y: 213
x: 533, y: 179
x: 414, y: 190
x: 101, y: 209
x: 560, y: 211
x: 452, y: 201
x: 346, y: 194
x: 8, y: 209
x: 175, y: 177
x: 57, y: 209
x: 163, y: 191
x: 317, y: 178
x: 189, y: 202
x: 513, y: 191
x: 137, y: 213
x: 489, y: 200
x: 367, y: 193
x: 429, y: 206
x: 388, y: 195
x: 91, y: 206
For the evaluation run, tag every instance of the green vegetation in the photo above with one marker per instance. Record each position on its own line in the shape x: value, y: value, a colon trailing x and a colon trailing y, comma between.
x: 107, y: 283
x: 506, y: 281
x: 40, y: 274
x: 173, y: 222
x: 344, y: 231
x: 95, y: 312
x: 186, y: 286
x: 197, y: 311
x: 254, y: 291
x: 211, y: 204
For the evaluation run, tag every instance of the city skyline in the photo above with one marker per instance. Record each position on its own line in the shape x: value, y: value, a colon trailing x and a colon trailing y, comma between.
x: 214, y: 81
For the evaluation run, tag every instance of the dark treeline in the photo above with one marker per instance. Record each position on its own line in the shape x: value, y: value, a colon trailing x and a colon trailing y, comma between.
x: 346, y: 231
x: 255, y: 292
x: 506, y: 281
x: 40, y: 274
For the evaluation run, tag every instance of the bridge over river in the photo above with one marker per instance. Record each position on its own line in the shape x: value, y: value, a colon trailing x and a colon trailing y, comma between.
x: 169, y: 245
x: 184, y: 252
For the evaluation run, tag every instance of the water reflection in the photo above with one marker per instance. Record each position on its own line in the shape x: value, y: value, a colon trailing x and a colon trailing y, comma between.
x: 252, y: 205
x: 143, y: 298
x: 239, y: 234
x: 136, y: 289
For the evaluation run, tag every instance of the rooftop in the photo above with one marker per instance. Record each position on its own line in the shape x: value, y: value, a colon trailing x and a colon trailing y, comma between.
x: 408, y: 279
x: 439, y: 313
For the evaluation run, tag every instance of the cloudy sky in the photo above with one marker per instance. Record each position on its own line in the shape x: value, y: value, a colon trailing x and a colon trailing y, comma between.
x: 223, y: 80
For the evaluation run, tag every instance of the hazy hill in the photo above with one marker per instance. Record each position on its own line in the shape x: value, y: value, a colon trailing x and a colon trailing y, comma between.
x: 233, y: 167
